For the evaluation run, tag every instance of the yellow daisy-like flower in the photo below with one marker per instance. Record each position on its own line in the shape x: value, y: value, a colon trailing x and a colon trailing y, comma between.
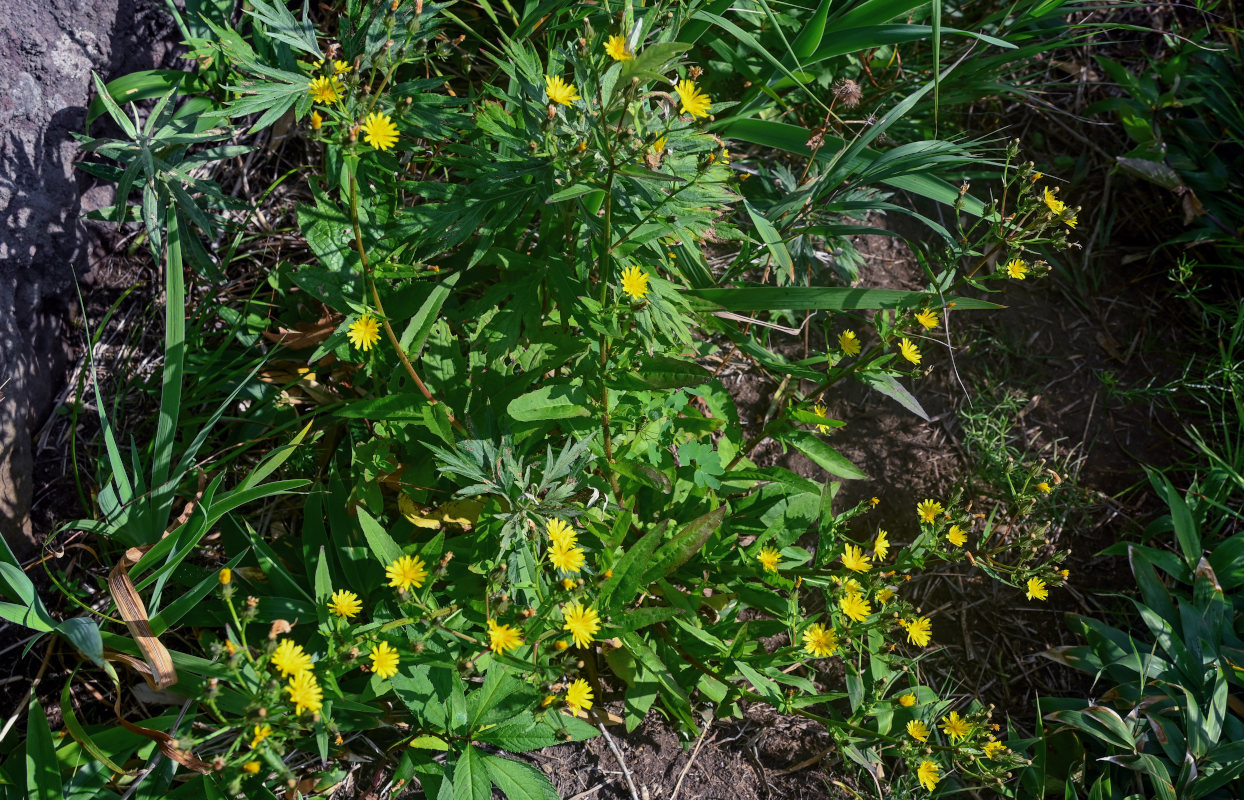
x: 261, y: 732
x: 635, y: 282
x: 851, y: 586
x: 325, y: 90
x: 907, y: 701
x: 881, y: 546
x: 569, y: 583
x: 406, y: 572
x: 582, y: 621
x: 305, y: 692
x: 566, y: 559
x: 854, y: 559
x: 849, y: 343
x: 579, y: 696
x: 1053, y: 203
x: 1016, y: 268
x: 1064, y: 573
x: 820, y: 641
x: 928, y: 318
x: 994, y: 749
x: 821, y: 412
x: 317, y: 121
x: 502, y: 638
x: 384, y: 660
x: 928, y: 775
x: 364, y: 332
x: 1043, y: 487
x: 560, y: 533
x: 616, y: 48
x: 1037, y: 590
x: 769, y: 559
x: 345, y: 604
x: 224, y: 576
x: 251, y: 767
x: 909, y: 350
x: 955, y: 726
x: 929, y: 511
x: 692, y: 100
x: 884, y: 595
x: 658, y: 147
x: 1071, y: 221
x: 379, y: 131
x: 920, y: 631
x: 289, y: 658
x: 559, y: 91
x: 342, y: 67
x: 957, y: 536
x: 918, y: 730
x: 874, y: 502
x: 855, y: 607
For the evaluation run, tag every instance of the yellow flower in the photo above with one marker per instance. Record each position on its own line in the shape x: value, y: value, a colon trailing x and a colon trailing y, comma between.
x: 342, y: 67
x: 251, y: 767
x: 769, y: 559
x: 1043, y: 487
x: 1053, y: 203
x: 224, y: 576
x: 406, y: 572
x: 849, y: 342
x: 1036, y: 176
x: 884, y: 595
x: 579, y: 696
x: 658, y: 146
x: 920, y: 631
x: 1064, y: 573
x: 316, y: 120
x: 907, y: 700
x: 230, y: 647
x: 694, y: 102
x: 582, y: 621
x: 561, y: 644
x: 855, y: 607
x: 1037, y: 590
x: 305, y: 692
x: 909, y: 350
x: 1071, y: 221
x: 560, y: 533
x: 927, y: 774
x: 994, y: 749
x: 566, y: 559
x: 855, y: 560
x: 1017, y: 269
x: 928, y: 318
x: 324, y: 89
x: 876, y: 501
x: 502, y: 638
x: 929, y: 510
x: 821, y: 411
x: 881, y: 546
x: 364, y: 332
x: 345, y: 604
x: 820, y: 641
x: 955, y: 726
x: 261, y: 732
x: 384, y: 660
x: 568, y: 583
x: 918, y: 730
x: 851, y: 586
x: 616, y: 48
x: 289, y: 658
x: 635, y: 282
x: 957, y: 536
x: 559, y: 91
x: 379, y: 131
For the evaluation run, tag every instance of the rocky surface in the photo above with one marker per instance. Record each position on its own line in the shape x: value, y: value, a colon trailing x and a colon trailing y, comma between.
x: 48, y: 49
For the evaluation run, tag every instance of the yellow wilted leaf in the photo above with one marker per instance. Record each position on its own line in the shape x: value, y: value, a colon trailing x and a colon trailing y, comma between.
x: 458, y: 513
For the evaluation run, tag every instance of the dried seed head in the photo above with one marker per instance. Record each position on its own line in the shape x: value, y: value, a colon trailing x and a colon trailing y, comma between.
x: 848, y: 93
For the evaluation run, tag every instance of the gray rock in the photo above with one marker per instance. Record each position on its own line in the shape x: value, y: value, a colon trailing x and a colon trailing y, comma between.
x: 47, y: 51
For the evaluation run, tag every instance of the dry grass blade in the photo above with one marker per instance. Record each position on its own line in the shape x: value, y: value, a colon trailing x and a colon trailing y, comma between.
x: 159, y: 672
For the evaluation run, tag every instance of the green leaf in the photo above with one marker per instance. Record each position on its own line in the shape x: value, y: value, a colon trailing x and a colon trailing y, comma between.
x: 772, y: 239
x: 42, y: 768
x: 79, y: 733
x: 471, y: 781
x: 774, y: 298
x: 765, y: 687
x: 825, y: 456
x: 83, y: 633
x: 889, y: 386
x: 571, y: 192
x: 501, y: 697
x: 517, y: 780
x: 686, y: 543
x: 31, y: 612
x: 323, y: 580
x: 551, y: 401
x: 379, y: 541
x: 628, y: 572
x: 663, y: 372
x: 421, y: 323
x: 389, y: 407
